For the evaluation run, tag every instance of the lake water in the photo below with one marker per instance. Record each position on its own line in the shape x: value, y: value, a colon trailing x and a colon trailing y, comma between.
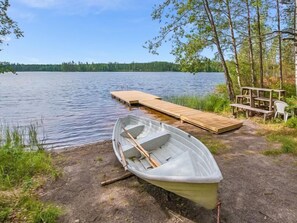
x: 76, y: 108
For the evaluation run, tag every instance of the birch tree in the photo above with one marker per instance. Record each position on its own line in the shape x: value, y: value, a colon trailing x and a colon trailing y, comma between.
x: 191, y: 26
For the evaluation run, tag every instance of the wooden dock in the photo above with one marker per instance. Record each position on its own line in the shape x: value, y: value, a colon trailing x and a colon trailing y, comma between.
x: 132, y: 97
x: 206, y: 120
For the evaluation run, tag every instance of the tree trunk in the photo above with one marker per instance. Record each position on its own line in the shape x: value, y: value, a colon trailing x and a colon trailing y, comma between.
x: 295, y: 43
x: 233, y: 43
x: 260, y: 44
x: 251, y: 51
x: 279, y: 46
x: 217, y: 42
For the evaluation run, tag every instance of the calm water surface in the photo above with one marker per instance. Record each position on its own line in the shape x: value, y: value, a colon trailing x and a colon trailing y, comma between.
x: 76, y: 108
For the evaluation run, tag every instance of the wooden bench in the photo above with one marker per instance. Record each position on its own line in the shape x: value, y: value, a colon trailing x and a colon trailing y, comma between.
x: 248, y: 108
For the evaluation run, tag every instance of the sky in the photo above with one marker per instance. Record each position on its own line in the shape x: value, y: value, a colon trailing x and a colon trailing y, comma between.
x: 102, y: 31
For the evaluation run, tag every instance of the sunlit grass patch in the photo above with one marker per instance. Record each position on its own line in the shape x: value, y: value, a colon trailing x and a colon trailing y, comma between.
x: 20, y: 206
x: 22, y: 157
x: 24, y: 166
x: 278, y: 133
x: 215, y: 146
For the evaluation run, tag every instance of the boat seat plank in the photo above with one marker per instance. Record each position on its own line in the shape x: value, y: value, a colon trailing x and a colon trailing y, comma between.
x: 158, y: 158
x: 150, y: 142
x: 136, y: 163
x: 134, y: 130
x: 145, y: 164
x: 162, y: 155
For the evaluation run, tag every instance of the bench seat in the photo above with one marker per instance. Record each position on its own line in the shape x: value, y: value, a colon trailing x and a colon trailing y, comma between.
x: 249, y: 108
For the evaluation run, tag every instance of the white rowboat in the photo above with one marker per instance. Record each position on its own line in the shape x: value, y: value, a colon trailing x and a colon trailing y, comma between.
x: 185, y: 165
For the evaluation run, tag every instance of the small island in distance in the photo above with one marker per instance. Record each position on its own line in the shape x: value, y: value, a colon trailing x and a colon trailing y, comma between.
x: 206, y: 65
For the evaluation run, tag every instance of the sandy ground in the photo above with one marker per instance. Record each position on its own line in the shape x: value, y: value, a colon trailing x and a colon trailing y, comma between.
x: 255, y: 188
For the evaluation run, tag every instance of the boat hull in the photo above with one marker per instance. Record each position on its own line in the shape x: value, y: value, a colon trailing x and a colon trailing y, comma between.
x: 204, y: 194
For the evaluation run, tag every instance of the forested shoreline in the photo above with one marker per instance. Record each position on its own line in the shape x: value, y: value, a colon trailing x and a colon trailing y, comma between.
x: 206, y: 65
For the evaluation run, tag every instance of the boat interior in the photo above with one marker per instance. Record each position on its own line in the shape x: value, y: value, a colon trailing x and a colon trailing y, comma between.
x: 169, y: 149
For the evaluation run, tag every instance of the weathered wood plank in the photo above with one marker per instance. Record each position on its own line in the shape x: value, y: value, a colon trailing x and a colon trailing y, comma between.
x: 132, y: 97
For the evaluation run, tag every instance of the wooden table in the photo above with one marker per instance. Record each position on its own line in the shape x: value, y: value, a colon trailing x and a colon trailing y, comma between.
x: 259, y: 95
x: 258, y: 100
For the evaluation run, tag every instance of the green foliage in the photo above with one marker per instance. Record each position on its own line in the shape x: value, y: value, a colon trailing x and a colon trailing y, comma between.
x: 20, y: 206
x: 212, y: 102
x: 214, y: 145
x: 5, y: 208
x: 287, y: 139
x: 6, y: 67
x: 8, y: 27
x: 38, y: 212
x: 193, y: 26
x: 290, y: 89
x: 292, y: 100
x: 292, y: 123
x: 273, y: 152
x: 20, y: 161
x: 23, y: 165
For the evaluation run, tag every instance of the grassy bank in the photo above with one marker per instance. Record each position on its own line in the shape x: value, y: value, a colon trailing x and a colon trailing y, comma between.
x: 24, y: 167
x: 214, y: 102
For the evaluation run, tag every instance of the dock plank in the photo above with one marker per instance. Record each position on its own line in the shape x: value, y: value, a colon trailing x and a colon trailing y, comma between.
x: 206, y: 120
x: 132, y: 97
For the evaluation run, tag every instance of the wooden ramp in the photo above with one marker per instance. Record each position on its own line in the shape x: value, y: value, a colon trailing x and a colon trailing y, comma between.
x: 205, y: 120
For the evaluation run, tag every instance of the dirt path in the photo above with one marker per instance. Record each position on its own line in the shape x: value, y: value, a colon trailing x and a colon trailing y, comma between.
x: 256, y: 188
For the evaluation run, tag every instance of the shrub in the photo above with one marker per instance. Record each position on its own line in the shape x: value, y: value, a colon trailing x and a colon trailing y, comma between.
x: 291, y: 123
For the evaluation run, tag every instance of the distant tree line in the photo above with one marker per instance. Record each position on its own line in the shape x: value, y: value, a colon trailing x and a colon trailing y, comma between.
x: 205, y: 65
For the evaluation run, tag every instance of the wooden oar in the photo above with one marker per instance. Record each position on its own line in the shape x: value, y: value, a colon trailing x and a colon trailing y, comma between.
x: 152, y: 162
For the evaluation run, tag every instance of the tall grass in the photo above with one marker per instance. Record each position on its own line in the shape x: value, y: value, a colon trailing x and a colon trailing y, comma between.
x: 22, y: 156
x: 217, y: 101
x: 23, y: 165
x: 214, y: 102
